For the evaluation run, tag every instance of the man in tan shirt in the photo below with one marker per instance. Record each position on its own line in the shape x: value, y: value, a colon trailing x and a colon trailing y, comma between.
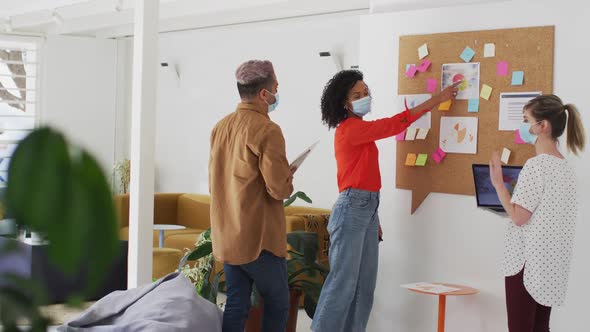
x: 249, y: 177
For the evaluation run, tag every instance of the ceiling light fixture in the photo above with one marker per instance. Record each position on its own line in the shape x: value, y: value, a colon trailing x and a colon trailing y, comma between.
x: 57, y: 18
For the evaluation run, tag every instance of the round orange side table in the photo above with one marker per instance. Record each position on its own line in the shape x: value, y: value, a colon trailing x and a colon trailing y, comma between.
x: 442, y: 300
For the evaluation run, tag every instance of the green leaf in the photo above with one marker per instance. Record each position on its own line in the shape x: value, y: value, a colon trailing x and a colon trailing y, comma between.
x: 307, y: 270
x: 201, y: 251
x: 295, y: 254
x: 312, y: 293
x: 62, y: 193
x: 306, y: 243
x: 100, y: 228
x: 309, y: 304
x: 215, y: 287
x: 300, y: 195
x: 39, y: 180
x: 255, y: 297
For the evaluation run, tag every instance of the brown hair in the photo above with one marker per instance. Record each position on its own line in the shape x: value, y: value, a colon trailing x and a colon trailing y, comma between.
x: 552, y: 109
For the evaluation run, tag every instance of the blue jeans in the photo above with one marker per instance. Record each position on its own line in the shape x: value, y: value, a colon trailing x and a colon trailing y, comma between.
x: 347, y: 296
x: 269, y: 274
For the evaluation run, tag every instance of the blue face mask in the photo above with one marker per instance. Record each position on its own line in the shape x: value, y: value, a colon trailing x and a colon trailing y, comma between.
x: 361, y: 106
x: 273, y: 106
x: 525, y: 132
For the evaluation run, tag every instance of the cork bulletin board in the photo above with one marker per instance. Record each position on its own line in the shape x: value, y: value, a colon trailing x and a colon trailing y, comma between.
x: 525, y: 49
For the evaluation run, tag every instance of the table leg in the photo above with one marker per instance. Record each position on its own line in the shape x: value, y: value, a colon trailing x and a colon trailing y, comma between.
x: 442, y: 304
x: 161, y: 242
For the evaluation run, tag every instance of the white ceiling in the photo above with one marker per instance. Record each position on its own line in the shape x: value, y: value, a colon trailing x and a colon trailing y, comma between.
x: 100, y: 18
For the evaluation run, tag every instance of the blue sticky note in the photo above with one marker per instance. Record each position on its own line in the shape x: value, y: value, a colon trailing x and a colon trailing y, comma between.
x: 467, y: 54
x: 517, y: 77
x: 473, y: 105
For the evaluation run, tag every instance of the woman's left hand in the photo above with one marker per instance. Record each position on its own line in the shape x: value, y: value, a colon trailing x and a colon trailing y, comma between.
x: 380, y: 233
x: 496, y: 171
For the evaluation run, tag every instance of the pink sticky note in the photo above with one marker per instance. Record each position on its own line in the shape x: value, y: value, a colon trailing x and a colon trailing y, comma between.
x: 431, y: 85
x: 411, y: 71
x: 424, y: 65
x: 517, y: 138
x: 438, y: 155
x: 401, y: 136
x: 502, y: 68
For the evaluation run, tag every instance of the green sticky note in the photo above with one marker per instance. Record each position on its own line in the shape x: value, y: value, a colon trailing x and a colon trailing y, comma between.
x: 421, y: 160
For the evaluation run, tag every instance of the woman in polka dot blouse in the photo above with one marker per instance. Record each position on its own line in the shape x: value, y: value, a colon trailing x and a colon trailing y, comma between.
x: 543, y: 210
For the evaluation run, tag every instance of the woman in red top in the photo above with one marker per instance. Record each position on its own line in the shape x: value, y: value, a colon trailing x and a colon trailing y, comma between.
x: 347, y: 295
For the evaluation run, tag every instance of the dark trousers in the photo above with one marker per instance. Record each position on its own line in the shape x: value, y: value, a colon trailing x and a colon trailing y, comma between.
x: 524, y: 313
x: 269, y: 274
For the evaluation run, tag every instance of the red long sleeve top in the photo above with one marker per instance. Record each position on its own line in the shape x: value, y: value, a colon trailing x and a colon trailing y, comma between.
x: 357, y: 156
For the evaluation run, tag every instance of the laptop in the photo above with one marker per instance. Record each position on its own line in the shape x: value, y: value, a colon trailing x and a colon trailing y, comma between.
x: 484, y: 190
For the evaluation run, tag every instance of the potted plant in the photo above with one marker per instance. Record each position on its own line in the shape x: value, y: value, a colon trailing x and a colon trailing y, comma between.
x: 60, y: 191
x: 121, y: 176
x: 301, y: 262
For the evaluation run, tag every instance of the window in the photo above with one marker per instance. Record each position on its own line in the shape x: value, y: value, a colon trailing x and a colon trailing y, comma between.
x: 18, y: 97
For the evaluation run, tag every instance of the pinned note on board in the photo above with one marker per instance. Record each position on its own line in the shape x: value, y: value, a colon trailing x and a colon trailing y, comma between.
x: 401, y: 136
x: 411, y: 159
x: 445, y: 106
x: 422, y: 133
x: 505, y: 156
x: 431, y: 85
x: 421, y: 159
x: 517, y: 77
x: 411, y: 72
x: 438, y: 155
x: 424, y: 65
x: 489, y: 50
x: 502, y: 68
x: 423, y: 51
x: 473, y: 105
x: 517, y: 138
x: 411, y: 133
x: 467, y: 54
x: 486, y: 92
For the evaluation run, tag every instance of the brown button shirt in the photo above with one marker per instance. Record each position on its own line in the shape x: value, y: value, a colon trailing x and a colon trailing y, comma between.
x: 249, y: 177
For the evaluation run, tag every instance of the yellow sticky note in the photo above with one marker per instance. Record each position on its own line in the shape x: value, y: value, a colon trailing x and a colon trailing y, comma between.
x: 421, y: 160
x: 486, y: 91
x: 445, y: 106
x: 411, y: 159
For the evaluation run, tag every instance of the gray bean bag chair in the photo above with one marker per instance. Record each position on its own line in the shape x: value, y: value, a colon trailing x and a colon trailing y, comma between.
x: 169, y: 304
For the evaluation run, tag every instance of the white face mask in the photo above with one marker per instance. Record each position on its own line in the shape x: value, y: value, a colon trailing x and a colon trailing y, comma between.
x: 273, y: 106
x: 525, y: 132
x: 361, y: 106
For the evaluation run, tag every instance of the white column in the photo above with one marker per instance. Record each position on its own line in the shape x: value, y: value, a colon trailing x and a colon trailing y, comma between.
x: 141, y: 206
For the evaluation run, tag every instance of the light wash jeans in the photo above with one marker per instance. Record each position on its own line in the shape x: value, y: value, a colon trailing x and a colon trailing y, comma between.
x: 347, y: 296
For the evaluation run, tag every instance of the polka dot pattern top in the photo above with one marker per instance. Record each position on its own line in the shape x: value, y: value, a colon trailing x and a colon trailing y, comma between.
x: 547, y: 188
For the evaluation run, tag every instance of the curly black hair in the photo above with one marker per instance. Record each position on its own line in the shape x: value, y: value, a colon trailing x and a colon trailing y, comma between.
x: 335, y: 94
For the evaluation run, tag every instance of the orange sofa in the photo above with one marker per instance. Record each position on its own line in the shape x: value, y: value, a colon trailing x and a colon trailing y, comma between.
x: 192, y: 212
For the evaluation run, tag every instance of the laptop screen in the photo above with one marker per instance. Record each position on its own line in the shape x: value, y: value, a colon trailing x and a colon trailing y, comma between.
x: 484, y: 190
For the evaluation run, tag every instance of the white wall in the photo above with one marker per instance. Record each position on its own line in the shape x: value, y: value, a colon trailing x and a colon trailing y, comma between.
x: 79, y: 90
x: 189, y: 108
x: 449, y: 239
